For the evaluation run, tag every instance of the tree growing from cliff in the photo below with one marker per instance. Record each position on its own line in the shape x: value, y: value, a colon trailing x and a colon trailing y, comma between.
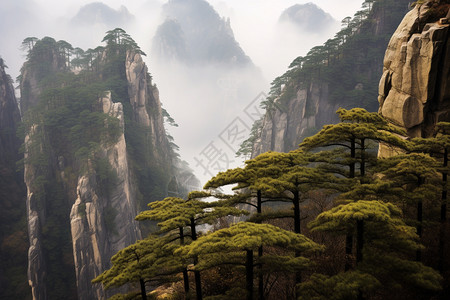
x: 118, y: 38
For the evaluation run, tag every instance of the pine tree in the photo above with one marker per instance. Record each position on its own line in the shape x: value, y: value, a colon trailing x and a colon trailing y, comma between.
x: 349, y: 140
x: 438, y: 147
x: 176, y: 213
x: 414, y: 177
x: 384, y: 242
x: 236, y: 246
x: 148, y: 260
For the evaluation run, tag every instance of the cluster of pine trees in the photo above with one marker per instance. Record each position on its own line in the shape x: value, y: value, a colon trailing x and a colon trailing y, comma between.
x: 329, y: 220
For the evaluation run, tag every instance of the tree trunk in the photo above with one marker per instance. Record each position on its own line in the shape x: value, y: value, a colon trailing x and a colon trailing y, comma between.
x: 349, y: 237
x: 348, y: 251
x: 249, y: 274
x: 260, y: 276
x: 185, y: 272
x: 198, y: 281
x: 359, y: 247
x: 352, y: 156
x: 419, y: 228
x: 143, y: 291
x: 443, y: 219
x: 260, y: 251
x: 363, y: 158
x: 297, y: 229
x: 359, y: 240
x: 296, y: 202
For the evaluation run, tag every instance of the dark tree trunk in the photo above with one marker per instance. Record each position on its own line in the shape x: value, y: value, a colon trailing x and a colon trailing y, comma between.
x: 198, y: 281
x: 249, y: 274
x: 363, y: 158
x: 185, y: 272
x: 353, y: 156
x: 349, y: 237
x: 359, y: 240
x: 419, y: 227
x: 260, y: 250
x: 297, y: 229
x: 143, y: 291
x: 443, y: 219
x: 359, y: 247
x: 260, y: 276
x: 348, y: 251
x: 296, y: 202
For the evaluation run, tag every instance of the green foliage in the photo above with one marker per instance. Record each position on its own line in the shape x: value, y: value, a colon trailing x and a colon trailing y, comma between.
x: 343, y: 286
x: 173, y: 212
x: 246, y: 147
x: 227, y: 246
x: 387, y: 239
x: 150, y: 259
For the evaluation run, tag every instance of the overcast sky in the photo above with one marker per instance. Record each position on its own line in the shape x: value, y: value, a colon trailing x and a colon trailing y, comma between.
x: 254, y: 23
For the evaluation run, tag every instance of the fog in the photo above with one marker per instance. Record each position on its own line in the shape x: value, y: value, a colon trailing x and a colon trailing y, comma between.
x: 214, y: 105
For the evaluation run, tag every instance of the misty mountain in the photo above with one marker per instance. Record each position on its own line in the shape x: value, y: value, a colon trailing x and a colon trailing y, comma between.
x: 307, y: 17
x: 98, y: 12
x: 193, y: 31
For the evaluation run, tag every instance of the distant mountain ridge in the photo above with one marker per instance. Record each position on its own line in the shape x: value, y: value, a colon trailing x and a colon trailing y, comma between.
x: 194, y: 32
x: 307, y: 17
x: 99, y: 12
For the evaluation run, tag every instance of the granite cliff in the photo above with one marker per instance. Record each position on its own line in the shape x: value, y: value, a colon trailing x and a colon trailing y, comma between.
x: 13, y: 241
x: 414, y: 89
x: 344, y: 72
x: 96, y: 151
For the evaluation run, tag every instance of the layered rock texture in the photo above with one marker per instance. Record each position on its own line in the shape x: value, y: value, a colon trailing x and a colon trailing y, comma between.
x: 103, y: 223
x: 344, y: 72
x: 414, y: 90
x: 90, y: 165
x: 285, y: 127
x: 13, y: 242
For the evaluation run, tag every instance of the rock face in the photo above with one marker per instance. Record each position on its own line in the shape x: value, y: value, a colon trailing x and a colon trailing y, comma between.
x: 90, y: 202
x: 414, y: 91
x: 286, y: 127
x: 12, y: 197
x: 103, y: 224
x: 144, y: 94
x: 347, y: 79
x: 9, y: 117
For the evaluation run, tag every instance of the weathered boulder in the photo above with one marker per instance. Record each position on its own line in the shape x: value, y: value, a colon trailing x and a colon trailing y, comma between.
x: 414, y: 91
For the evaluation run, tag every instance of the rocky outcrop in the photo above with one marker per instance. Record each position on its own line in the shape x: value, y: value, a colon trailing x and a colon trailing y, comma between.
x: 13, y: 241
x: 285, y: 127
x: 86, y: 191
x: 102, y: 224
x: 414, y: 91
x: 9, y: 118
x: 144, y: 95
x: 326, y: 79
